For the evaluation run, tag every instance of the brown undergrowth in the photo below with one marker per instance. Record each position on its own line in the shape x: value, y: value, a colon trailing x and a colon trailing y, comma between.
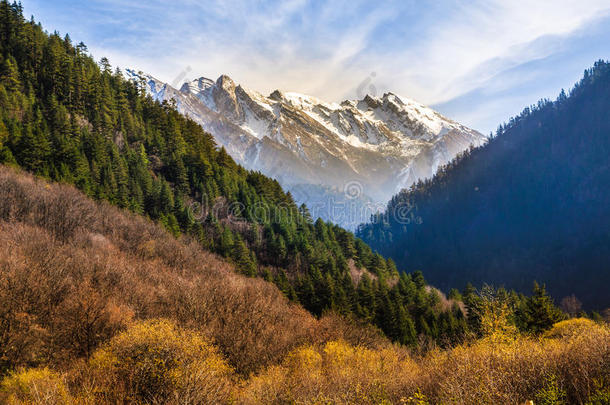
x: 102, y: 306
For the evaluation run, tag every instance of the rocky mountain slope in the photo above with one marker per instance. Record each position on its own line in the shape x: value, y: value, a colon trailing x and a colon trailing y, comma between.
x: 366, y: 149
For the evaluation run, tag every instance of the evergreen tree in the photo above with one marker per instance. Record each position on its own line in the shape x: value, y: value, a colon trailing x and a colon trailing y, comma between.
x: 474, y: 308
x: 226, y: 242
x: 9, y: 75
x: 538, y: 313
x: 243, y: 259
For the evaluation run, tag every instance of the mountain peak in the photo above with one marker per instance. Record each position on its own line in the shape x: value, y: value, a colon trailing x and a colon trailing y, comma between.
x: 204, y: 82
x: 384, y: 142
x: 392, y: 96
x: 370, y: 101
x: 277, y: 95
x: 225, y: 82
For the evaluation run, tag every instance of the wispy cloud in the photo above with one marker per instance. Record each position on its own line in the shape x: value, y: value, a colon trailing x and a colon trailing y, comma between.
x: 481, y: 39
x: 441, y: 53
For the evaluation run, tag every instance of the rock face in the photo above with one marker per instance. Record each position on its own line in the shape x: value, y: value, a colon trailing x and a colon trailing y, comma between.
x: 375, y: 146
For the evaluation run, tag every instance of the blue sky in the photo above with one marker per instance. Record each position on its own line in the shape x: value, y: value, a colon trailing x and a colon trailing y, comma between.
x: 478, y: 62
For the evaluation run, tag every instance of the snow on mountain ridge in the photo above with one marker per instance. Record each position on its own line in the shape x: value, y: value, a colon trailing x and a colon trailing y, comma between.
x: 384, y: 143
x: 373, y: 111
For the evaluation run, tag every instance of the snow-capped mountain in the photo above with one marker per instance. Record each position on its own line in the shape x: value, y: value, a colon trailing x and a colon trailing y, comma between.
x: 374, y: 147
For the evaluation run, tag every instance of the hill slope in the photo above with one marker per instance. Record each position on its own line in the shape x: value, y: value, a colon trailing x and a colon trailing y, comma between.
x: 101, y: 306
x: 532, y: 204
x: 76, y: 272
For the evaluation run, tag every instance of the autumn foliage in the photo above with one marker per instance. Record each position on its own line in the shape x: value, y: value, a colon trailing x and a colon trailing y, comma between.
x: 155, y: 361
x: 75, y: 272
x: 98, y: 305
x: 485, y: 372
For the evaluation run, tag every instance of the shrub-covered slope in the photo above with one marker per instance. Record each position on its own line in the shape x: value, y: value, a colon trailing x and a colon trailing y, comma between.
x: 74, y: 272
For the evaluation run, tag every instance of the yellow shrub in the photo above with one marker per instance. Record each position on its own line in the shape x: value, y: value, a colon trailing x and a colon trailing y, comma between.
x: 35, y: 386
x: 336, y: 373
x: 571, y: 328
x: 155, y: 361
x: 488, y: 372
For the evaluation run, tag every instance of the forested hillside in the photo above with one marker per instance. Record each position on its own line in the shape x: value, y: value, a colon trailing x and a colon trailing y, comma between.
x: 69, y: 119
x: 532, y: 204
x: 75, y: 272
x: 102, y: 306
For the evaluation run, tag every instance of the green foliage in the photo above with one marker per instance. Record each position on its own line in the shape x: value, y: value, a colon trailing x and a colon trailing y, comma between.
x: 537, y: 313
x: 454, y: 294
x: 244, y: 259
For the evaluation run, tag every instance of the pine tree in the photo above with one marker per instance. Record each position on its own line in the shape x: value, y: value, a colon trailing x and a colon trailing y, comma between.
x: 418, y: 279
x: 243, y: 259
x: 280, y: 249
x: 6, y: 156
x: 366, y: 297
x: 307, y: 295
x: 166, y: 198
x: 378, y: 265
x: 346, y: 241
x: 538, y: 313
x: 35, y: 150
x: 391, y: 268
x: 9, y: 75
x: 405, y: 327
x: 304, y: 212
x: 226, y: 242
x: 474, y: 308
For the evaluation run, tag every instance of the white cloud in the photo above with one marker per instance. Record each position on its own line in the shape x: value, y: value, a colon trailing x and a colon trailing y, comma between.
x: 481, y: 40
x: 456, y: 54
x: 328, y: 49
